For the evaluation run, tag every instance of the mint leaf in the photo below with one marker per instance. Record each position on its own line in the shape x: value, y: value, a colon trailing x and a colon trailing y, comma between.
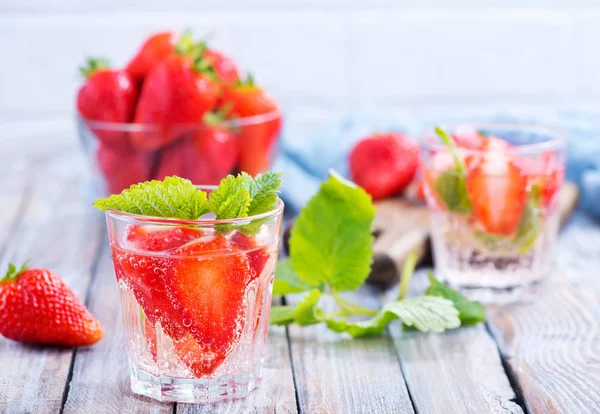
x: 263, y: 192
x: 331, y: 240
x: 232, y: 198
x: 426, y: 313
x: 287, y: 281
x: 307, y: 312
x: 173, y: 197
x: 281, y: 315
x: 374, y: 326
x: 530, y: 223
x: 451, y: 186
x: 470, y: 312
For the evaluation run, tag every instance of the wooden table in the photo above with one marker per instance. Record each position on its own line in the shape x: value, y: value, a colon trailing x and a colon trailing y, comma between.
x: 541, y: 356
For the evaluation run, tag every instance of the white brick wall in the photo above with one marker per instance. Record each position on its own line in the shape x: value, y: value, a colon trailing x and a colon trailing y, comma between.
x: 330, y: 54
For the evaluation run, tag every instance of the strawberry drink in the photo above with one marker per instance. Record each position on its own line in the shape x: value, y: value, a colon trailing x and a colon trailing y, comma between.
x: 493, y: 194
x: 196, y: 296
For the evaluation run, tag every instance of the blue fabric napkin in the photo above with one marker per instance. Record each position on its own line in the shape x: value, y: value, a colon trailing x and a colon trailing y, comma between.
x: 308, y: 152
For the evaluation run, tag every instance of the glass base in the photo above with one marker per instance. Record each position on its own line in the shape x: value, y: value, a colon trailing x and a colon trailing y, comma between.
x: 499, y: 296
x: 194, y: 390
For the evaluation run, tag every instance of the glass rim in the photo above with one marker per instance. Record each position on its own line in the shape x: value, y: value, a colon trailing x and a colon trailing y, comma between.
x: 133, y: 127
x: 557, y: 138
x: 149, y: 220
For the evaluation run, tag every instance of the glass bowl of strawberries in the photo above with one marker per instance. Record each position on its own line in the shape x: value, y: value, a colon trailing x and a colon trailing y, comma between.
x: 493, y: 195
x: 178, y: 108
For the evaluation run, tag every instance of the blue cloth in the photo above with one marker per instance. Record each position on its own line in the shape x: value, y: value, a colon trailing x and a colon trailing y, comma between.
x: 307, y: 153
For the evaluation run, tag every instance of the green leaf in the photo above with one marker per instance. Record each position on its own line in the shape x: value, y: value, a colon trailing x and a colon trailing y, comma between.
x: 14, y: 272
x: 232, y: 198
x: 530, y: 223
x: 426, y: 313
x: 307, y: 312
x: 263, y: 192
x: 451, y: 188
x: 281, y: 315
x: 470, y: 312
x: 374, y: 326
x: 173, y: 197
x: 287, y: 281
x: 331, y: 241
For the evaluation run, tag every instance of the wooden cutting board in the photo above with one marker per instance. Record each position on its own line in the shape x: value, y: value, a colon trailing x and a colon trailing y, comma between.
x: 402, y: 227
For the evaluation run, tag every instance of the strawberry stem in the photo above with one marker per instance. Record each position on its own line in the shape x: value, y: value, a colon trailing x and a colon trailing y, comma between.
x: 93, y: 65
x: 248, y: 82
x: 13, y: 272
x: 407, y: 271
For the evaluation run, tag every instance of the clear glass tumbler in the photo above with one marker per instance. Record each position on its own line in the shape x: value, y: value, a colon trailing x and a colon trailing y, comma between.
x: 196, y: 297
x: 494, y: 205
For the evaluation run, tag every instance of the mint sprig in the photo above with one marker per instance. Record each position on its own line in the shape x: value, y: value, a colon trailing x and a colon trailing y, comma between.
x: 236, y: 197
x: 451, y: 186
x: 330, y: 252
x: 173, y: 197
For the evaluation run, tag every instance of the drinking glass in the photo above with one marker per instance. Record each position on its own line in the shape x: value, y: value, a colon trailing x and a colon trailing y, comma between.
x: 195, y: 298
x: 494, y: 221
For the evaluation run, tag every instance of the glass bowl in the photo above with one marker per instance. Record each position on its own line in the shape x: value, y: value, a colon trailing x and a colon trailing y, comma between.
x: 122, y: 154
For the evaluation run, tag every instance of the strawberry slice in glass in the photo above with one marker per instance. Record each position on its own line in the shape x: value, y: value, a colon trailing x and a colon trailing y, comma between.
x: 207, y: 283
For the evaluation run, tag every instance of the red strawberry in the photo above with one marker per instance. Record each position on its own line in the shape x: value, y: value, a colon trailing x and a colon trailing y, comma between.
x: 160, y: 240
x: 497, y: 188
x: 384, y: 164
x: 109, y: 96
x: 257, y: 256
x: 156, y: 48
x: 174, y: 160
x: 469, y: 139
x: 144, y: 273
x: 177, y: 93
x: 210, y: 285
x: 256, y: 138
x: 545, y: 170
x: 122, y: 167
x: 37, y: 307
x: 224, y: 66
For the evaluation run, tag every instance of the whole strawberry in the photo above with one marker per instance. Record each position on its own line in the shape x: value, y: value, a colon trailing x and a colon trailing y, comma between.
x: 258, y: 136
x: 107, y: 95
x: 384, y: 164
x: 176, y: 93
x: 37, y: 307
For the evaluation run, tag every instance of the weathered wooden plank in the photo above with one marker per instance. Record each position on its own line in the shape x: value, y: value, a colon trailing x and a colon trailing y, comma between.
x: 337, y: 374
x: 457, y: 371
x: 58, y: 230
x: 276, y: 392
x: 552, y: 348
x: 100, y: 382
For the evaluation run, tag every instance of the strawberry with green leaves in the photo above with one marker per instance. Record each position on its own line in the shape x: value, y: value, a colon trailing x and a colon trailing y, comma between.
x: 256, y: 137
x: 107, y: 95
x: 37, y: 307
x: 176, y: 95
x: 224, y: 66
